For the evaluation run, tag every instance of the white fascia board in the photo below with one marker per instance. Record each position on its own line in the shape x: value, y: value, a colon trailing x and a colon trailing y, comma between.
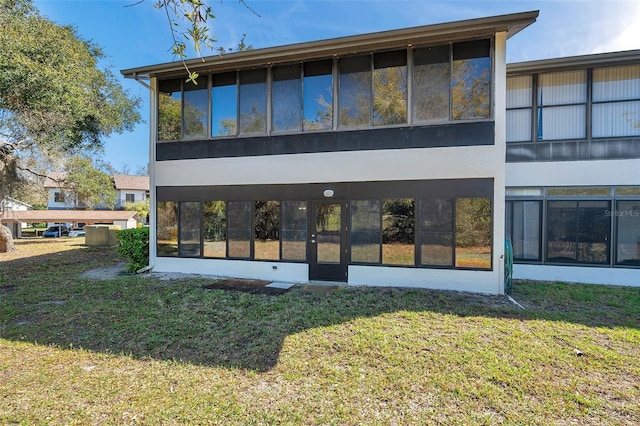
x: 353, y: 166
x: 574, y: 173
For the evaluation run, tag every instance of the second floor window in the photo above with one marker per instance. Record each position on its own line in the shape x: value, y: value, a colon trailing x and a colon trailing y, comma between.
x: 448, y: 82
x: 130, y: 198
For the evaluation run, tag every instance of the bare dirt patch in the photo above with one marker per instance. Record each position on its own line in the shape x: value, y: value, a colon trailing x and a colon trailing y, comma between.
x: 247, y: 286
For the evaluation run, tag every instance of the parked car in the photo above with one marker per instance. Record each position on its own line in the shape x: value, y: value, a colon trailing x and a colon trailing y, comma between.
x: 77, y: 233
x: 56, y: 231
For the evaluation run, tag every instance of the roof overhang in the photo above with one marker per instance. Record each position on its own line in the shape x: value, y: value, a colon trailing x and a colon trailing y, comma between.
x: 573, y: 62
x: 422, y: 35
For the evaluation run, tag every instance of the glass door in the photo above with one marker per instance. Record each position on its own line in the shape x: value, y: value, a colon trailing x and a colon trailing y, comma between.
x: 328, y: 260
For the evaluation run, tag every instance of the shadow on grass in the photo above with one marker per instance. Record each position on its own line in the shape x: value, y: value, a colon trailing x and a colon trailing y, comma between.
x: 46, y: 301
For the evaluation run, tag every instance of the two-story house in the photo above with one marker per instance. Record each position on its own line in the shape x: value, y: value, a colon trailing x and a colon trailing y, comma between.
x: 60, y: 197
x: 573, y: 168
x: 376, y: 159
x: 131, y: 189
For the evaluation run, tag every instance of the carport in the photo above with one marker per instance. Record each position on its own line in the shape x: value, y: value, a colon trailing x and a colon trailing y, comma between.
x: 14, y: 219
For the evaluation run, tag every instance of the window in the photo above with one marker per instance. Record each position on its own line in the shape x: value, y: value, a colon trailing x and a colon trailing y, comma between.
x: 189, y: 245
x: 616, y: 102
x: 436, y: 232
x: 523, y: 225
x: 214, y: 222
x: 471, y: 80
x: 286, y: 99
x: 318, y: 95
x: 390, y: 88
x: 473, y: 233
x: 59, y: 197
x: 578, y: 231
x: 294, y: 230
x: 239, y: 229
x: 130, y: 198
x: 627, y: 215
x: 562, y: 110
x: 267, y: 230
x: 196, y: 109
x: 169, y: 110
x: 431, y: 84
x: 253, y: 102
x: 398, y: 232
x: 519, y: 108
x: 365, y: 231
x: 354, y: 96
x: 167, y: 228
x: 224, y: 105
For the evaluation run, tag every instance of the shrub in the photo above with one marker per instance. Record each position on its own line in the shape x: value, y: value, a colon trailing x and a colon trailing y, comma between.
x: 133, y: 244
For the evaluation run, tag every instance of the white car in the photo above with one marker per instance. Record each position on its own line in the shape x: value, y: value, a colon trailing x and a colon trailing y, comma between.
x: 76, y: 233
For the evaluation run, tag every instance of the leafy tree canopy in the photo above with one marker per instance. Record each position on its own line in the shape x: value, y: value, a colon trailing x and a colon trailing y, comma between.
x: 89, y: 185
x: 55, y: 101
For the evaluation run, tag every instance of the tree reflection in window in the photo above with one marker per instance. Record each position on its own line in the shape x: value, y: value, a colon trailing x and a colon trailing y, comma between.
x: 224, y: 105
x: 318, y: 95
x: 253, y: 101
x: 169, y: 110
x: 471, y: 80
x: 390, y: 88
x: 196, y: 100
x: 286, y: 99
x: 354, y: 95
x: 214, y: 220
x: 167, y: 228
x: 431, y: 84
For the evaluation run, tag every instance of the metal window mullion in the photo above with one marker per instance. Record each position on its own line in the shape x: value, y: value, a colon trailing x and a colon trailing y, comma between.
x: 454, y: 206
x: 335, y: 87
x: 381, y: 261
x: 268, y: 84
x: 252, y: 232
x: 589, y: 104
x: 237, y: 103
x: 451, y: 85
x: 535, y: 106
x: 410, y: 99
x: 301, y: 106
x: 417, y: 231
x: 372, y: 71
x: 210, y: 106
x: 182, y: 126
x: 201, y: 223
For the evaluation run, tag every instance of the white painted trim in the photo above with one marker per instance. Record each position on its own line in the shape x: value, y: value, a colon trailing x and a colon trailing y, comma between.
x: 284, y: 272
x: 153, y: 126
x: 578, y: 274
x: 438, y: 279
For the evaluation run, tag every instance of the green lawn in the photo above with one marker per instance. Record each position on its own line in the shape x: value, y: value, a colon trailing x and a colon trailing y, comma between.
x: 136, y: 350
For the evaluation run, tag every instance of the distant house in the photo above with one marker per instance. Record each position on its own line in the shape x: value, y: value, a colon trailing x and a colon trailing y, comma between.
x: 131, y: 189
x: 59, y: 197
x: 9, y: 204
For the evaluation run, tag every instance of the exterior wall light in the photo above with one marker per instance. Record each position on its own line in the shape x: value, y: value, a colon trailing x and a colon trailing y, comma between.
x: 328, y: 193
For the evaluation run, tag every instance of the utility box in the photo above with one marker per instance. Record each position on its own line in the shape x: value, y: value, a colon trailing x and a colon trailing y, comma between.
x: 101, y: 235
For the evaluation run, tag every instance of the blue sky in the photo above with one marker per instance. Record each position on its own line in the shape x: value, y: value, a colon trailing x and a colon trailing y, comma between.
x: 137, y: 35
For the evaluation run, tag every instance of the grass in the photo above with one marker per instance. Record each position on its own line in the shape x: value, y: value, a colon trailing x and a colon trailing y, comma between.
x: 136, y: 350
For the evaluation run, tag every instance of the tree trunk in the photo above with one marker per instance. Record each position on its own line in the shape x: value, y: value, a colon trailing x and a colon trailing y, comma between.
x: 6, y: 240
